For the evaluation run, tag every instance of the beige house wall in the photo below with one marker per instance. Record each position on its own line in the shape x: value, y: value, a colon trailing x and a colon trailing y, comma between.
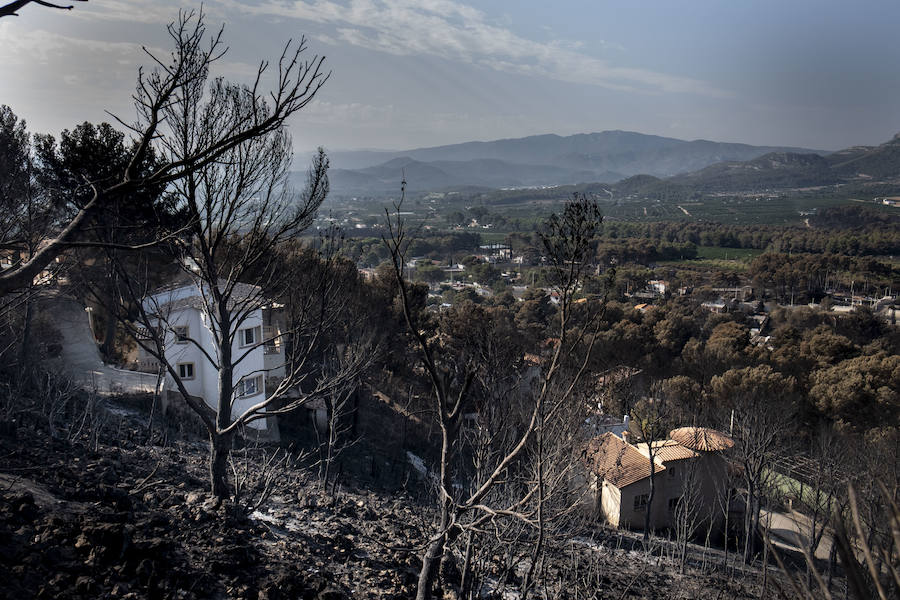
x: 712, y: 471
x: 610, y: 503
x: 659, y: 516
x: 617, y: 505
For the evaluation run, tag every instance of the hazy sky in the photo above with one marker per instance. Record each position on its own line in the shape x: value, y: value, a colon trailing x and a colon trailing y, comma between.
x: 816, y: 73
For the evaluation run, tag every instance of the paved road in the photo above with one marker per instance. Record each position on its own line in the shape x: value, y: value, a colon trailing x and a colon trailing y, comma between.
x: 80, y: 357
x: 791, y: 530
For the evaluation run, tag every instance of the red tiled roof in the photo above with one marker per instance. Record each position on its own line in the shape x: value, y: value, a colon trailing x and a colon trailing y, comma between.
x: 701, y: 438
x: 669, y: 451
x: 617, y: 461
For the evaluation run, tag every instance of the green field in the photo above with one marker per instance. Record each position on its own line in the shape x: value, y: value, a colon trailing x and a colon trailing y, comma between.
x: 493, y: 237
x: 716, y: 258
x: 788, y: 487
x: 727, y: 210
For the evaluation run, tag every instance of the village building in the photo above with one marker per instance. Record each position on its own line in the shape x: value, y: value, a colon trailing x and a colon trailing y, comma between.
x: 719, y: 306
x: 690, y: 462
x: 498, y: 252
x: 738, y: 294
x: 659, y: 286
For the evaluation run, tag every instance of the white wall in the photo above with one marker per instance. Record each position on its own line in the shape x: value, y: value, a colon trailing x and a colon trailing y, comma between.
x: 205, y: 383
x: 251, y: 366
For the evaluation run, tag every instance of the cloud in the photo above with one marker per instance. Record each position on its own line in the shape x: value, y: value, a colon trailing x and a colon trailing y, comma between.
x: 62, y: 79
x: 322, y: 112
x: 456, y: 31
x: 129, y: 12
x: 38, y: 46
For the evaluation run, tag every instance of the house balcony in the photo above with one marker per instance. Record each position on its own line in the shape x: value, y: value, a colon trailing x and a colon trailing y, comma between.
x: 271, y: 340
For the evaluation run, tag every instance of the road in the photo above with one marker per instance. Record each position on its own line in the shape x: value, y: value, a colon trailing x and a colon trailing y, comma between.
x: 791, y: 530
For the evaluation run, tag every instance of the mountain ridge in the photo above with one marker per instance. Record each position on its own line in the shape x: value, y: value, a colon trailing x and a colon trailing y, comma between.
x: 549, y: 159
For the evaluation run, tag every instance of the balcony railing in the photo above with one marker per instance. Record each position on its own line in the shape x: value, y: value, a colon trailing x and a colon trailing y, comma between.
x: 271, y: 341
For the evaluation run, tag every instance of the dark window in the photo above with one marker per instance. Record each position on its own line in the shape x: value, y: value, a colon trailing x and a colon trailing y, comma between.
x: 640, y: 502
x: 181, y: 334
x: 186, y: 370
x: 248, y: 337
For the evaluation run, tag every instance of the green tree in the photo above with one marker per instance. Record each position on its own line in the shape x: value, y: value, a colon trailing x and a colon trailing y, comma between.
x: 86, y: 156
x: 861, y: 392
x: 455, y: 217
x: 727, y: 344
x: 430, y: 274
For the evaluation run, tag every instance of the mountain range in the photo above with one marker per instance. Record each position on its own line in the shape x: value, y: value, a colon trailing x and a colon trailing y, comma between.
x: 541, y: 160
x: 793, y: 170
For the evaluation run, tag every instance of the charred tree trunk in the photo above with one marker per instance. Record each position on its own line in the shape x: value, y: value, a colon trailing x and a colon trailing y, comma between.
x: 109, y: 331
x: 465, y: 580
x: 650, y: 499
x: 330, y: 441
x: 727, y: 526
x: 434, y: 551
x: 25, y: 349
x: 751, y: 521
x: 220, y: 449
x: 221, y: 442
x: 528, y: 581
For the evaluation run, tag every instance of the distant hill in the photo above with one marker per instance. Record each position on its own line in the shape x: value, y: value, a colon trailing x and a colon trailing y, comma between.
x: 446, y: 174
x: 869, y: 171
x: 772, y: 170
x: 876, y: 162
x: 792, y: 170
x: 535, y: 161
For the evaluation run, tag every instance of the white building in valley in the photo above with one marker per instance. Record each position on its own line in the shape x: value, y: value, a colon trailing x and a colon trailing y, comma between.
x: 181, y: 313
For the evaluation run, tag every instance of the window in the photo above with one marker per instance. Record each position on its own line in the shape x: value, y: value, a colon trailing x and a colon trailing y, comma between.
x: 186, y: 370
x: 640, y: 502
x: 249, y: 386
x: 673, y: 503
x: 248, y: 337
x: 182, y: 333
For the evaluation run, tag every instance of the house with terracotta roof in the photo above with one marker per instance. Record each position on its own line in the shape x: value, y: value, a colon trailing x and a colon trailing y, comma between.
x: 691, y: 462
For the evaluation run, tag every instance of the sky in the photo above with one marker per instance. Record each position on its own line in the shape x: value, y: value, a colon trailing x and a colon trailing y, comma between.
x: 819, y: 74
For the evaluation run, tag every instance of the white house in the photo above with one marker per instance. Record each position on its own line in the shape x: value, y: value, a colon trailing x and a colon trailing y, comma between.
x: 658, y: 285
x: 190, y: 346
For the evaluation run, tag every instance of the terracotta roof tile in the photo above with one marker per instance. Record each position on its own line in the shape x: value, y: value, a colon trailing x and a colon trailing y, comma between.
x: 670, y: 450
x: 702, y: 439
x: 617, y: 461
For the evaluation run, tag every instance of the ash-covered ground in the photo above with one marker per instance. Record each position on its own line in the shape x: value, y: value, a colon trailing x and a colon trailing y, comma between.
x: 103, y: 513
